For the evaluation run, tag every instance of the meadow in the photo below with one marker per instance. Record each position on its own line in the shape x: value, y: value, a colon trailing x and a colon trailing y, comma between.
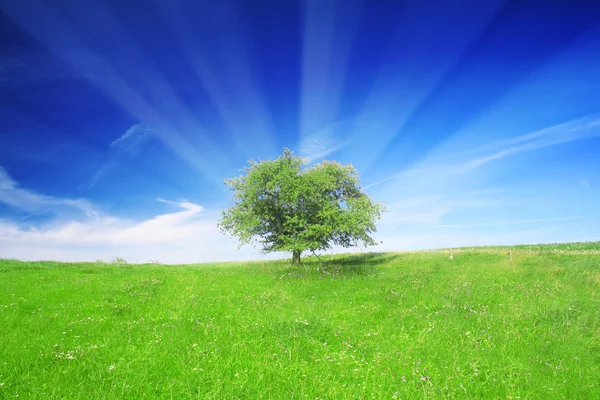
x: 413, y: 325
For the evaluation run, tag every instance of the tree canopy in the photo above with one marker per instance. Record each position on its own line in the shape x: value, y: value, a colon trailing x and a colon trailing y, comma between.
x: 282, y: 205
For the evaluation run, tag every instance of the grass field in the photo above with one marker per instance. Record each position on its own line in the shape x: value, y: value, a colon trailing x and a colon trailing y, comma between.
x: 381, y: 326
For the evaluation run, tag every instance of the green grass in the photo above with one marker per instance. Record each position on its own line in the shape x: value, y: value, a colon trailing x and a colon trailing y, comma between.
x: 402, y: 325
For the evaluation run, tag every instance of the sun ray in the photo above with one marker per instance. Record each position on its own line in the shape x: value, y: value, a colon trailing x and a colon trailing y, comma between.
x: 413, y: 70
x: 328, y: 32
x: 234, y: 91
x: 170, y: 119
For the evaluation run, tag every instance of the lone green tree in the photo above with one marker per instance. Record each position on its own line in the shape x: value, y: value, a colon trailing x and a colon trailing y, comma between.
x: 282, y: 205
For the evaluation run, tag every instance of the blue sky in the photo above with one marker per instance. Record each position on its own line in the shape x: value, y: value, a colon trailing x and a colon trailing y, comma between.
x: 477, y: 122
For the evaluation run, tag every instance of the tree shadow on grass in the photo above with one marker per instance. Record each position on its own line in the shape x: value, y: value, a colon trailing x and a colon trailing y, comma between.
x: 344, y: 266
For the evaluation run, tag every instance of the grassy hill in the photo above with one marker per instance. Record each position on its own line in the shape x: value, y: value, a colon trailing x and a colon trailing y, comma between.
x: 393, y: 325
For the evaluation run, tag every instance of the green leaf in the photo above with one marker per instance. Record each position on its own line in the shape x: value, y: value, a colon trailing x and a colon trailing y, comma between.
x: 279, y: 205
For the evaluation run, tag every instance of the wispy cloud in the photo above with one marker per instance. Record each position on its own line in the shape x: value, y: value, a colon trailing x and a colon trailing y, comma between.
x: 132, y: 140
x: 13, y: 195
x: 428, y: 210
x: 129, y: 144
x: 579, y: 129
x: 187, y: 234
x: 379, y: 182
x: 184, y: 236
x: 325, y: 141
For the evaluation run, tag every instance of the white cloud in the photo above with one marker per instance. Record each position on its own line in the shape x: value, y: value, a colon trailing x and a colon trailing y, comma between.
x: 579, y: 129
x: 131, y: 141
x: 427, y: 210
x: 189, y: 234
x: 455, y: 165
x: 28, y: 201
x: 326, y: 141
x: 129, y: 144
x: 185, y: 236
x: 416, y: 210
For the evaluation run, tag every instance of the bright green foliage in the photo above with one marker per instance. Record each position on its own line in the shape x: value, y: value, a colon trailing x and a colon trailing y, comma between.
x: 282, y: 206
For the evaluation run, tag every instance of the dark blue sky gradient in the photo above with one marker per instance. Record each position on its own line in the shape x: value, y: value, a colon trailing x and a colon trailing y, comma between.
x: 435, y: 101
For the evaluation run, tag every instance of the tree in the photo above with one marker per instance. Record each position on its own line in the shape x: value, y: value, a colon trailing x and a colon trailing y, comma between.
x: 282, y: 206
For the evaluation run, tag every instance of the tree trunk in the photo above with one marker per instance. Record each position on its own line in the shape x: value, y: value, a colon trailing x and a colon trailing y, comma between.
x: 296, y: 256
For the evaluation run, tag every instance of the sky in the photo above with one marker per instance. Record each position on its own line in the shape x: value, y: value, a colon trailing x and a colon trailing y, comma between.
x: 476, y: 122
